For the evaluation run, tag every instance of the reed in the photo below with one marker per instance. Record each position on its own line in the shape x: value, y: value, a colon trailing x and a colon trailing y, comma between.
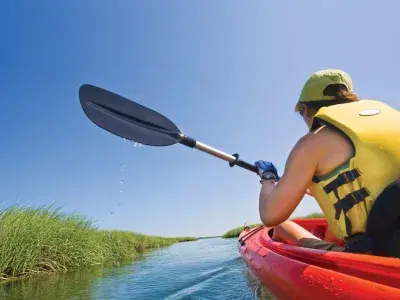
x: 233, y: 233
x: 43, y: 239
x: 236, y: 231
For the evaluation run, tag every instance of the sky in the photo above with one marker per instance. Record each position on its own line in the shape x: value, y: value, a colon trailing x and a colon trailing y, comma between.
x: 228, y: 73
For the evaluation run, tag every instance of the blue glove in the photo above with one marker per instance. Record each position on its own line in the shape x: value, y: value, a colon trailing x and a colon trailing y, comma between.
x: 265, y: 167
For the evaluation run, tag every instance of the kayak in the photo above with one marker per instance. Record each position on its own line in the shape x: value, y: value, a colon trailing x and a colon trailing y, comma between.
x: 292, y: 272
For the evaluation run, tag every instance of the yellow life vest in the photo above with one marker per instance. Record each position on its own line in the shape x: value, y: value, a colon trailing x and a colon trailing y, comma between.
x: 347, y: 194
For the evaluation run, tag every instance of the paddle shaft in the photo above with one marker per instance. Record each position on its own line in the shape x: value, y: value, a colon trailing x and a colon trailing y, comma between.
x: 232, y: 159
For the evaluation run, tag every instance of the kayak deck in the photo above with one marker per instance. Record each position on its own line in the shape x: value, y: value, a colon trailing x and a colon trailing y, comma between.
x: 292, y: 272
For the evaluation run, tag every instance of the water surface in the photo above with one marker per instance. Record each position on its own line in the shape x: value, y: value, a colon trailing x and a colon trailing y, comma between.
x: 203, y: 269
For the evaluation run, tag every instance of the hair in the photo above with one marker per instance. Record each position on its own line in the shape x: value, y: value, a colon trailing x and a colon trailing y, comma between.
x: 339, y: 91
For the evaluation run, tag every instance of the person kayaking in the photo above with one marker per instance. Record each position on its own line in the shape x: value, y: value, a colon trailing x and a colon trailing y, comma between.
x: 349, y: 161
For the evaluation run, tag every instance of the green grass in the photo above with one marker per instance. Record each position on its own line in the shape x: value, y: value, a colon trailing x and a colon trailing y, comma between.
x: 312, y: 216
x: 38, y: 240
x: 234, y: 233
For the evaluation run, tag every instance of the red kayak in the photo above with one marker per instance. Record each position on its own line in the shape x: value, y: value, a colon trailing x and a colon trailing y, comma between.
x: 292, y: 272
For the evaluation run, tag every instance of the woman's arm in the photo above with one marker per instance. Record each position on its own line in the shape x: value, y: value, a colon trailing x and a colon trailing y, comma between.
x: 278, y: 200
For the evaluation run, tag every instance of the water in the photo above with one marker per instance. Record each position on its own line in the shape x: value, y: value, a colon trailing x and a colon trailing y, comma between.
x: 204, y: 269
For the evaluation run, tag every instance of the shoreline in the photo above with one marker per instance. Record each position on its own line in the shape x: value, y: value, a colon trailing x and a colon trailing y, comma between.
x: 235, y: 232
x: 44, y: 240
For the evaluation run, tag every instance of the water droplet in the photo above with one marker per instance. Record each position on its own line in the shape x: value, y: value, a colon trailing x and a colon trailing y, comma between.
x: 121, y: 190
x: 125, y: 140
x: 123, y: 167
x: 140, y: 144
x: 122, y: 182
x: 111, y: 213
x: 135, y: 145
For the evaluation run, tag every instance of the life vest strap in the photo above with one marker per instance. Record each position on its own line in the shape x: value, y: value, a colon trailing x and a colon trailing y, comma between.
x: 316, y: 179
x: 342, y: 179
x: 349, y: 201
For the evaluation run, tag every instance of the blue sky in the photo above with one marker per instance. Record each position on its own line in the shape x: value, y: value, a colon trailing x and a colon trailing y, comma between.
x: 226, y: 72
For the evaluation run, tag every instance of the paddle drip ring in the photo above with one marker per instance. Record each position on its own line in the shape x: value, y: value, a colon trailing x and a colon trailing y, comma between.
x: 233, y: 163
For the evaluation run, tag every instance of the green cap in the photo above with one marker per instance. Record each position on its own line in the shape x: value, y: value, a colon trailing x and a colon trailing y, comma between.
x: 313, y: 89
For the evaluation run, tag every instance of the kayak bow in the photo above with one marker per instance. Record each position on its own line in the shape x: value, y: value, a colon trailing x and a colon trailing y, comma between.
x: 292, y: 272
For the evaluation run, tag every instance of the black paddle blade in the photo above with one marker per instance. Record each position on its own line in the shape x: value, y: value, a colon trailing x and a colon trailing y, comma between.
x: 126, y: 118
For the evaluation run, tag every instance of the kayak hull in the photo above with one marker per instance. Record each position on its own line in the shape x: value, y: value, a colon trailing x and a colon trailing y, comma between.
x: 292, y: 272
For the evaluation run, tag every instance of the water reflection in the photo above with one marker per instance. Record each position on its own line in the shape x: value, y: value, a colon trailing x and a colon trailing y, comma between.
x: 204, y: 269
x: 79, y: 284
x: 260, y: 292
x: 71, y: 285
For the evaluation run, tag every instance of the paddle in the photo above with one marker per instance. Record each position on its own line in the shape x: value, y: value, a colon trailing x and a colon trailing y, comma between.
x: 138, y: 123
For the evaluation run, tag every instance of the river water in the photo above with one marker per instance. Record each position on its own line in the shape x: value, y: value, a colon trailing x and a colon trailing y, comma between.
x: 203, y: 269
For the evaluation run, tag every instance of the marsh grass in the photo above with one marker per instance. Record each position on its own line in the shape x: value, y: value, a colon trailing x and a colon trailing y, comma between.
x: 233, y: 233
x: 43, y: 239
x: 312, y: 216
x: 236, y: 231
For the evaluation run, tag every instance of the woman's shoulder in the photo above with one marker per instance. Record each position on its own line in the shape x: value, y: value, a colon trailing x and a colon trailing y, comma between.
x: 320, y: 138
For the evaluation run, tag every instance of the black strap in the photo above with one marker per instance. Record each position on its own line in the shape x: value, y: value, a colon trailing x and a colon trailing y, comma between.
x: 342, y: 179
x: 349, y: 201
x: 316, y: 179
